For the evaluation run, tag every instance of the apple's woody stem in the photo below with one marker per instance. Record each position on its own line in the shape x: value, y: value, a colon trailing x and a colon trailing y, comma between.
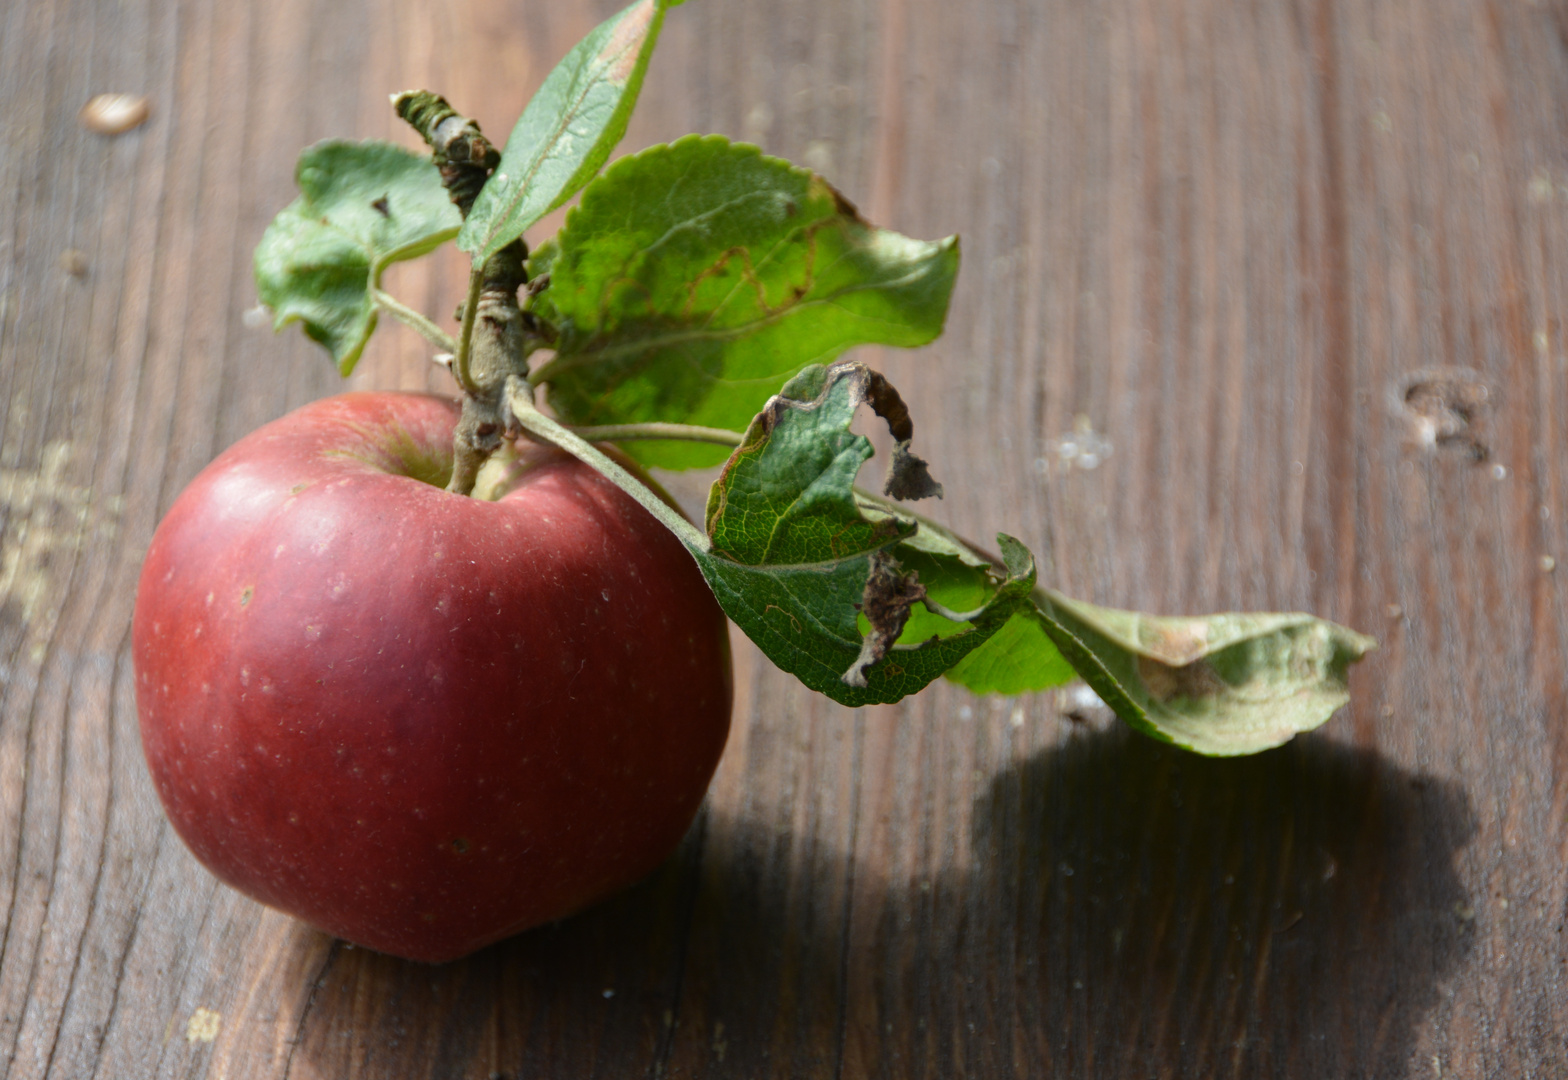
x: 462, y: 153
x: 411, y: 318
x: 521, y: 404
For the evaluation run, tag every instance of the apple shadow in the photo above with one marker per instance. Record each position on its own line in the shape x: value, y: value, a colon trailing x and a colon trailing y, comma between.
x: 1128, y: 910
x: 1135, y: 910
x: 570, y: 999
x: 734, y: 933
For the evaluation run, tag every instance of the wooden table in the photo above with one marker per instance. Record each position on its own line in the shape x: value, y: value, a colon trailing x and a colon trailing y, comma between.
x: 1257, y: 245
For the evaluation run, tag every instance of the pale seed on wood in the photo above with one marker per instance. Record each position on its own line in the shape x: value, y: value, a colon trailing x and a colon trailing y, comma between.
x: 112, y: 114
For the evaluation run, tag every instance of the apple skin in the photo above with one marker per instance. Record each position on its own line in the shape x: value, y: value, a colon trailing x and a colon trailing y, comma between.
x: 419, y: 721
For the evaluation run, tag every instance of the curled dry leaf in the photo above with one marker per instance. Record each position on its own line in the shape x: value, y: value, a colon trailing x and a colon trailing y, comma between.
x: 115, y: 114
x: 908, y: 477
x: 888, y: 597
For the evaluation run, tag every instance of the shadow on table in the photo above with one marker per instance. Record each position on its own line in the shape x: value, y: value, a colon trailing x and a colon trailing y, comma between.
x: 1131, y: 910
x: 578, y: 998
x: 1135, y: 911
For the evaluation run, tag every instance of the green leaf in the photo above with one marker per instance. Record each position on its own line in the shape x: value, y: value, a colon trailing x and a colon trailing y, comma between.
x: 694, y: 279
x: 362, y: 206
x: 1018, y: 659
x: 798, y: 561
x: 787, y: 494
x: 568, y: 129
x: 1219, y: 685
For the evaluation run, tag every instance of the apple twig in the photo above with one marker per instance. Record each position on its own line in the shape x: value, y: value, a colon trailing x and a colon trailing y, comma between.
x: 520, y: 403
x: 413, y: 319
x: 796, y: 550
x: 466, y: 159
x: 462, y: 153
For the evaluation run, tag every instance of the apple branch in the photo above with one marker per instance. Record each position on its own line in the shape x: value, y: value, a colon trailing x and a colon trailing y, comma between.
x: 490, y: 348
x: 796, y: 554
x: 462, y: 153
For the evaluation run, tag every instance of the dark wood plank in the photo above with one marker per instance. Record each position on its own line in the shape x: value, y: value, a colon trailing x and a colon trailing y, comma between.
x: 1230, y: 236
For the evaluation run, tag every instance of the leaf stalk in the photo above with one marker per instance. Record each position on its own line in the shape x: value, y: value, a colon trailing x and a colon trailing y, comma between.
x: 520, y: 402
x: 676, y: 432
x: 460, y: 357
x: 413, y: 319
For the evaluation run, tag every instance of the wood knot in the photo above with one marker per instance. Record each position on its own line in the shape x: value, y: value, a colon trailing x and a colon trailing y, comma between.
x: 1446, y: 410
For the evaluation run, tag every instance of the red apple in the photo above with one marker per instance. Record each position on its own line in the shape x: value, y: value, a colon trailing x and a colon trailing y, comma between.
x: 421, y: 721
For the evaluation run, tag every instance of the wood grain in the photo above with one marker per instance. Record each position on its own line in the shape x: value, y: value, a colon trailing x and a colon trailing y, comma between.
x: 1231, y: 235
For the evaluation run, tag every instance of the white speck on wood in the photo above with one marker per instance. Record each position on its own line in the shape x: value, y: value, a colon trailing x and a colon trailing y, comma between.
x: 203, y: 1026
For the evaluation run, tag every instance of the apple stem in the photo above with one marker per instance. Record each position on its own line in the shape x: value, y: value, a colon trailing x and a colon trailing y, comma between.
x: 520, y: 402
x: 411, y: 318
